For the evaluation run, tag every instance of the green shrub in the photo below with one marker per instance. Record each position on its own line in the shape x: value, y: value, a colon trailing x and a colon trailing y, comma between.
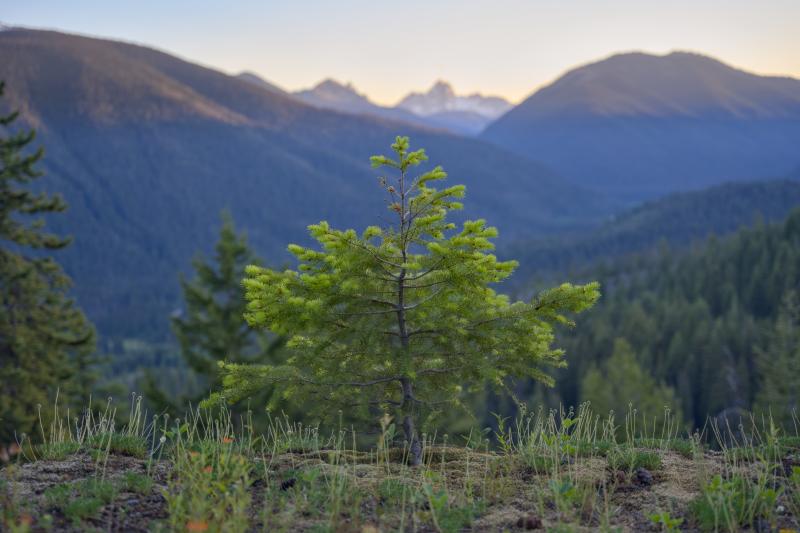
x: 630, y: 459
x: 733, y: 503
x: 458, y: 518
x: 119, y: 443
x: 56, y: 451
x: 138, y: 483
x: 685, y: 447
x: 210, y: 487
x: 81, y: 500
x: 598, y: 448
x: 541, y: 463
x: 394, y: 492
x: 665, y: 521
x: 789, y: 443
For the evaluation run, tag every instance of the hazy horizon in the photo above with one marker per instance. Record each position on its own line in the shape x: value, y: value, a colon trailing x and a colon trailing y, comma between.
x: 518, y: 49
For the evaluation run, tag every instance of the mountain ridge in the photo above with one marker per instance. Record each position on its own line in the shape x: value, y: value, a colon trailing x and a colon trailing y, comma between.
x: 641, y: 125
x: 254, y: 78
x: 666, y: 72
x: 147, y: 149
x: 439, y: 107
x: 337, y: 96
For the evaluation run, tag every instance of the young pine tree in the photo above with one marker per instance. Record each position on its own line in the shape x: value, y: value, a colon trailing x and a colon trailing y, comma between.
x: 44, y: 337
x: 401, y: 316
x: 212, y: 328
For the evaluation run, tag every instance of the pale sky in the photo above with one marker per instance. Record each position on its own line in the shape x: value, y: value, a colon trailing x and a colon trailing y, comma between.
x: 386, y: 49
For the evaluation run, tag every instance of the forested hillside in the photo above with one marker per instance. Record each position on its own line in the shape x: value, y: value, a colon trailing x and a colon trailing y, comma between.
x: 677, y: 220
x: 697, y: 321
x: 147, y: 149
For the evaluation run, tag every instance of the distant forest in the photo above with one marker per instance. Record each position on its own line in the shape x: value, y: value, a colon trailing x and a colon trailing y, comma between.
x: 716, y: 323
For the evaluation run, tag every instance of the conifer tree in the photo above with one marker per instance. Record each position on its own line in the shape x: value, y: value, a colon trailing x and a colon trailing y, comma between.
x: 212, y: 327
x: 400, y: 316
x: 621, y: 382
x: 44, y: 336
x: 779, y: 365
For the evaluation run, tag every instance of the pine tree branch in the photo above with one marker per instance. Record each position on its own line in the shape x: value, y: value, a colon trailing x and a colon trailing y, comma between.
x: 371, y: 252
x: 424, y: 300
x: 424, y: 332
x: 436, y: 371
x: 427, y: 285
x: 370, y: 383
x: 368, y: 313
x: 425, y: 273
x: 374, y: 402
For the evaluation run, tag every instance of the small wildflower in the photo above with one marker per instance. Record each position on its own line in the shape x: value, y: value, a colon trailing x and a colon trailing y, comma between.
x: 227, y: 440
x: 208, y: 470
x: 196, y: 525
x: 26, y: 520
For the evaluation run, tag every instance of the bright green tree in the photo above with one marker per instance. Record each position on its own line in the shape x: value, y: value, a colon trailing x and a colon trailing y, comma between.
x: 400, y: 316
x: 779, y: 365
x: 621, y: 384
x: 44, y: 337
x: 212, y: 327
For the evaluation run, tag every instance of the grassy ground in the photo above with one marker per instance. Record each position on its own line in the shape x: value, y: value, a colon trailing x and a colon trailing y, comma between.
x: 552, y: 471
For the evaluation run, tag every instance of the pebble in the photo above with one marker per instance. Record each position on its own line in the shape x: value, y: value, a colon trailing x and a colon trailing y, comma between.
x: 288, y: 484
x: 644, y: 477
x: 530, y: 521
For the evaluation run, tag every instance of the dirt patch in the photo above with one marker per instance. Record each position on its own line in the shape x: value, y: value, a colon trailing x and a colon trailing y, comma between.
x: 26, y: 484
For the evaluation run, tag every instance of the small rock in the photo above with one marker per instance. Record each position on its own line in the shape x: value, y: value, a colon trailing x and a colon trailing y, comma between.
x: 530, y: 521
x: 780, y: 509
x: 644, y: 477
x: 288, y: 484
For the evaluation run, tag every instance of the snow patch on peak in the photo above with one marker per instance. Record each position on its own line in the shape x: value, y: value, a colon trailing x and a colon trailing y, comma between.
x: 441, y: 98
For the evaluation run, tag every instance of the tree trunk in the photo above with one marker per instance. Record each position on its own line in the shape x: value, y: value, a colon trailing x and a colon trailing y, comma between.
x: 407, y: 406
x: 409, y: 428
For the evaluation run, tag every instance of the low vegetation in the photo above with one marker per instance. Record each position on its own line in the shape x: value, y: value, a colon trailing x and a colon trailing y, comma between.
x: 553, y: 470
